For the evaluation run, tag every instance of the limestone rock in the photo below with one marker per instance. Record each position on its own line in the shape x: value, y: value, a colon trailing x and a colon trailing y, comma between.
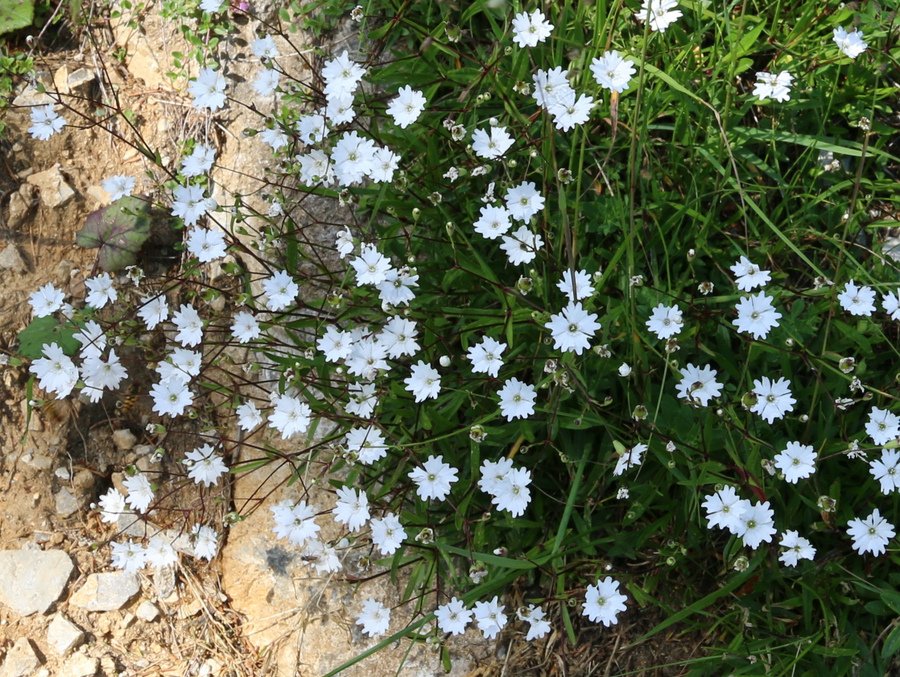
x: 63, y: 634
x: 147, y: 611
x: 32, y: 580
x: 124, y: 439
x: 21, y: 660
x: 66, y: 502
x: 30, y: 96
x: 61, y: 80
x: 107, y: 591
x: 80, y: 665
x: 11, y: 259
x: 55, y: 190
x: 80, y: 80
x: 20, y: 205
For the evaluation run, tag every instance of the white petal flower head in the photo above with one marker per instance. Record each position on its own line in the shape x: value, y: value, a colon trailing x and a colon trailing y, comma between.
x: 630, y: 459
x: 887, y: 470
x: 857, y: 300
x: 612, y: 72
x: 208, y: 89
x: 724, y: 509
x: 851, y: 44
x: 524, y: 201
x: 748, y: 275
x: 578, y: 290
x: 665, y: 321
x: 341, y: 74
x: 434, y: 478
x: 511, y: 492
x: 550, y: 85
x: 387, y: 534
x: 290, y: 416
x: 46, y: 301
x: 773, y: 398
x: 367, y: 443
x: 189, y: 325
x: 603, y: 602
x: 570, y: 110
x: 756, y: 315
x: 160, y: 553
x: 199, y: 162
x: 367, y: 357
x: 453, y: 617
x: 797, y: 548
x: 756, y: 525
x: 872, y: 534
x: 118, y: 186
x: 493, y: 222
x: 397, y: 288
x: 249, y: 417
x: 206, y: 542
x: 190, y: 204
x: 112, y: 506
x: 773, y: 86
x: 538, y: 626
x: 153, y: 311
x: 493, y: 475
x: 324, y: 558
x: 352, y: 508
x: 573, y: 328
x: 486, y: 356
x: 371, y: 266
x: 374, y: 619
x: 406, y: 107
x: 140, y: 492
x: 492, y: 144
x: 517, y: 399
x: 797, y: 461
x: 384, y: 164
x: 45, y: 122
x: 343, y: 242
x: 295, y: 521
x: 128, y: 556
x: 205, y: 466
x: 490, y: 617
x: 171, y: 397
x: 883, y: 426
x: 521, y: 246
x: 352, y: 158
x: 698, y: 385
x: 264, y: 48
x: 92, y: 339
x: 100, y: 291
x: 245, y: 328
x: 424, y: 382
x: 530, y: 29
x: 890, y: 301
x: 280, y: 290
x: 660, y: 13
x: 207, y: 245
x: 363, y: 399
x: 55, y: 371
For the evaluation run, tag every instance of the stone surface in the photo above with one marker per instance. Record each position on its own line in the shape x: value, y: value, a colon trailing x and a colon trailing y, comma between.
x: 20, y: 205
x: 63, y: 635
x: 21, y: 660
x: 54, y: 189
x: 106, y: 591
x: 66, y: 502
x: 32, y: 580
x: 147, y: 611
x: 124, y: 439
x: 80, y: 665
x: 80, y: 80
x: 11, y: 259
x: 30, y: 96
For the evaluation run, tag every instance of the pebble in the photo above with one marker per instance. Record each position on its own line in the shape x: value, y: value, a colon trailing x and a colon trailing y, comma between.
x: 55, y: 190
x: 32, y: 580
x: 80, y: 665
x: 63, y: 635
x: 124, y: 439
x: 107, y: 591
x: 11, y: 259
x: 147, y: 611
x: 20, y: 205
x: 21, y: 660
x: 66, y: 502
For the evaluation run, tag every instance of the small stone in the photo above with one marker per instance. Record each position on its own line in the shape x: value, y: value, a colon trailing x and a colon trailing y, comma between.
x: 21, y: 660
x: 147, y: 611
x: 11, y: 259
x: 32, y: 580
x: 66, y: 502
x: 107, y: 591
x: 61, y: 80
x: 127, y: 621
x: 20, y: 205
x: 63, y: 635
x: 124, y: 439
x: 62, y: 472
x: 37, y: 461
x: 30, y: 96
x: 80, y: 665
x: 54, y: 189
x: 80, y: 79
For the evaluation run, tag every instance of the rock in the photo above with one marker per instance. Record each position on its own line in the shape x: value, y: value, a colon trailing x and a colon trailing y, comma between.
x: 30, y: 96
x: 80, y: 80
x: 21, y: 660
x: 32, y: 580
x: 61, y: 80
x: 106, y: 591
x: 20, y: 205
x: 147, y: 611
x: 37, y: 461
x: 80, y: 665
x: 63, y: 635
x: 11, y: 259
x: 124, y: 439
x: 66, y: 502
x: 54, y: 189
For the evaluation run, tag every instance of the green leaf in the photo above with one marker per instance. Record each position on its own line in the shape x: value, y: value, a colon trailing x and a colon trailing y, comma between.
x: 46, y: 330
x: 119, y: 230
x: 891, y: 644
x: 15, y: 14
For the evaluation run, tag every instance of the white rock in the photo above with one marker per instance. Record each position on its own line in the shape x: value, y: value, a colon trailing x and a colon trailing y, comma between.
x: 80, y: 79
x: 21, y: 660
x: 32, y: 580
x: 20, y: 205
x: 11, y: 259
x: 124, y: 439
x: 80, y: 665
x: 30, y: 96
x: 107, y: 591
x: 55, y: 191
x: 147, y: 611
x: 66, y: 502
x: 63, y: 634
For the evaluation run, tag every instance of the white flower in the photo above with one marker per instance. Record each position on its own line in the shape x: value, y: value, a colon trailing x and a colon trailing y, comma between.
x: 160, y: 553
x: 756, y: 315
x: 290, y: 416
x: 883, y: 426
x: 204, y: 465
x: 872, y: 534
x: 724, y: 509
x: 756, y: 525
x: 280, y: 290
x: 579, y: 290
x: 374, y: 619
x: 698, y: 385
x: 772, y: 86
x: 538, y: 625
x: 170, y: 397
x: 189, y: 203
x: 524, y: 201
x: 208, y: 89
x: 530, y: 29
x: 493, y: 475
x: 630, y: 459
x: 490, y: 617
x: 266, y: 81
x: 367, y: 443
x: 371, y: 266
x: 522, y: 245
x: 517, y: 399
x: 573, y: 328
x: 352, y: 158
x: 384, y: 164
x: 118, y: 186
x: 244, y: 327
x: 857, y: 300
x: 773, y: 398
x: 111, y: 506
x: 312, y: 128
x: 352, y: 508
x: 511, y: 491
x: 424, y: 382
x: 569, y: 110
x: 661, y: 14
x: 797, y: 548
x: 206, y: 541
x: 153, y: 311
x: 294, y: 521
x: 189, y: 325
x: 396, y: 290
x: 207, y: 245
x: 387, y: 534
x: 624, y: 370
x: 748, y: 275
x: 341, y: 74
x: 612, y: 72
x: 45, y: 122
x: 100, y: 290
x: 344, y: 242
x: 324, y: 558
x: 487, y: 356
x: 665, y: 321
x: 140, y: 492
x: 797, y: 461
x: 99, y: 375
x: 603, y: 602
x: 248, y: 416
x: 453, y: 617
x: 211, y: 6
x: 199, y: 161
x: 92, y: 339
x: 264, y: 48
x: 493, y: 144
x: 128, y: 556
x: 887, y: 470
x: 890, y: 301
x: 851, y: 44
x: 367, y: 357
x: 434, y: 478
x: 406, y: 107
x: 315, y: 168
x: 46, y: 301
x: 492, y: 222
x: 363, y: 399
x: 550, y: 85
x: 55, y: 371
x: 274, y: 137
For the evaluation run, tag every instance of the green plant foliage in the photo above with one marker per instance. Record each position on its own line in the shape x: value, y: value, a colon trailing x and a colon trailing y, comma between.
x: 119, y: 230
x: 44, y: 330
x: 15, y: 14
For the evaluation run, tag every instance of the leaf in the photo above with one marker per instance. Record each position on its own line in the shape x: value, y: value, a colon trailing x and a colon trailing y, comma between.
x: 119, y: 230
x: 15, y: 14
x: 43, y: 331
x: 891, y: 644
